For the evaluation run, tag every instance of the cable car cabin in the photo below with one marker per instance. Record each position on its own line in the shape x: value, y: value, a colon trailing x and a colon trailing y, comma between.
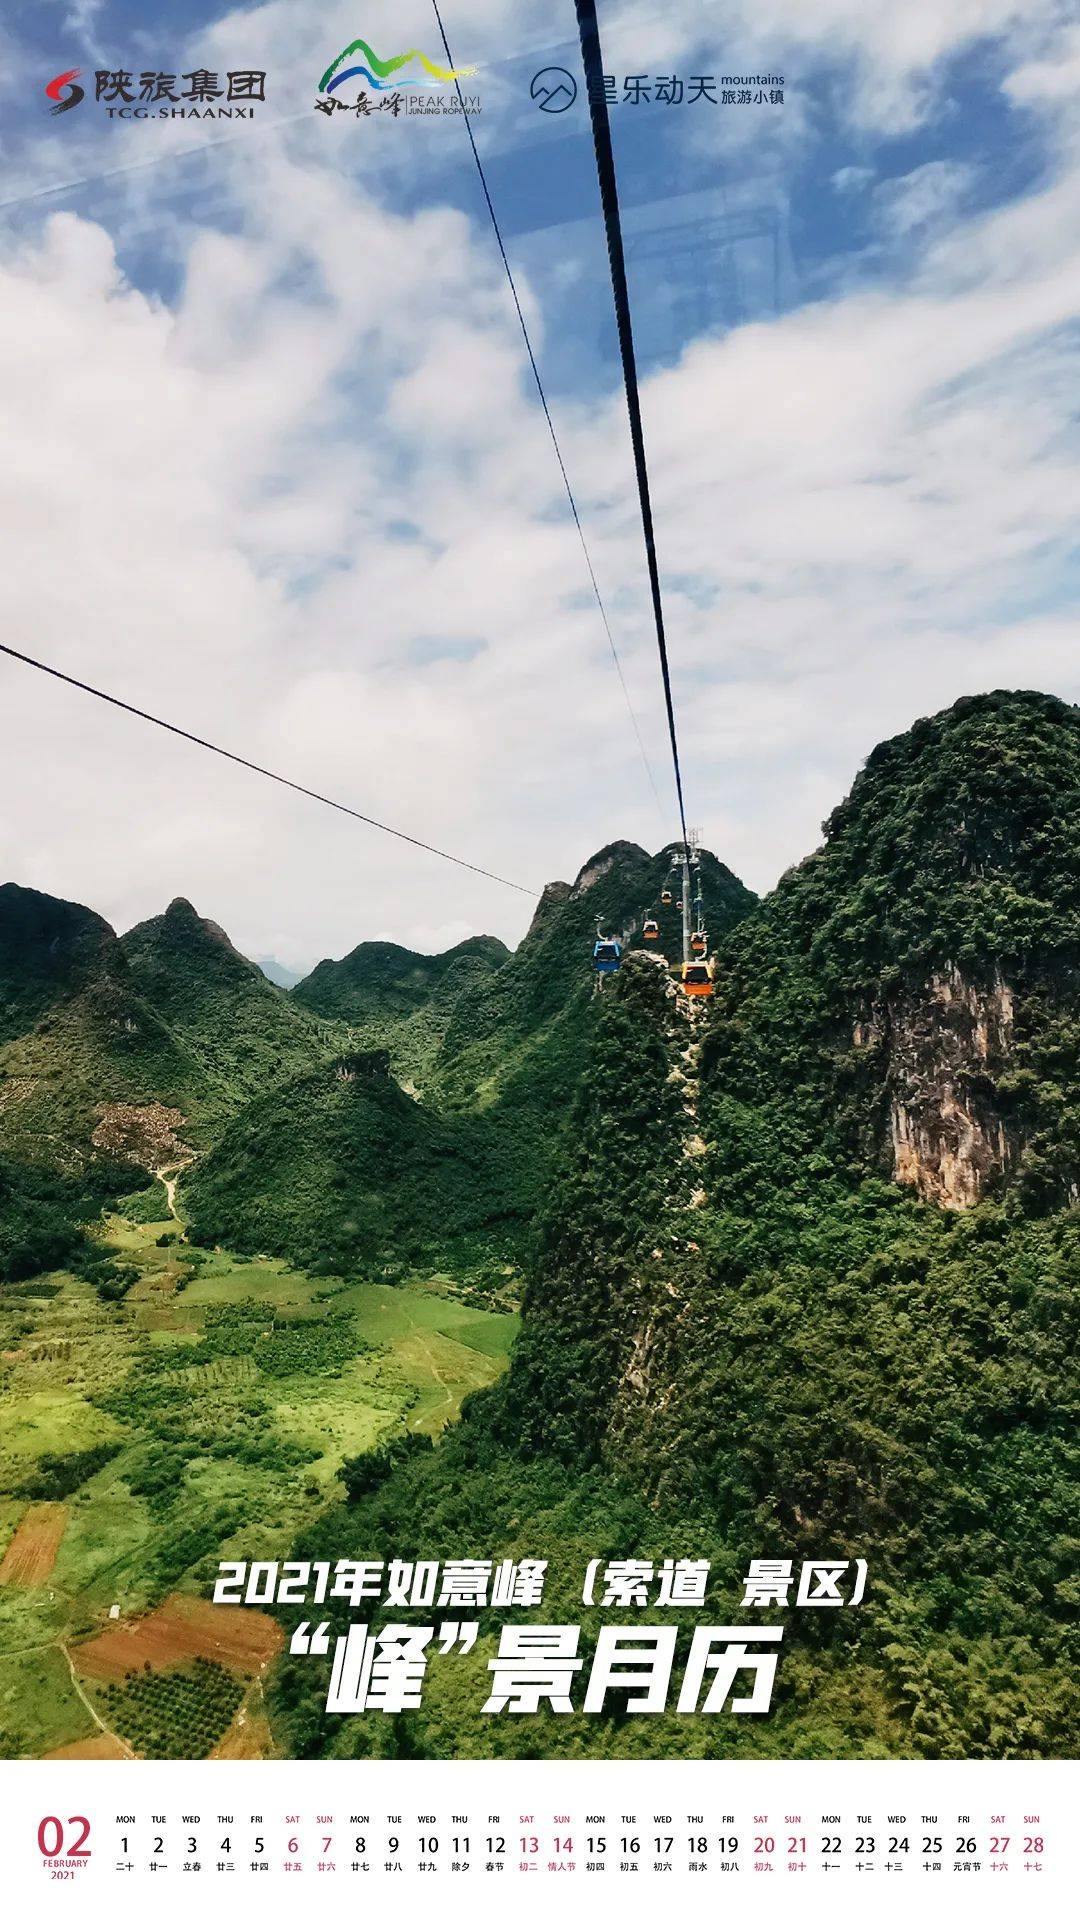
x: 607, y: 956
x: 698, y: 943
x: 651, y: 930
x: 696, y: 979
x: 665, y: 897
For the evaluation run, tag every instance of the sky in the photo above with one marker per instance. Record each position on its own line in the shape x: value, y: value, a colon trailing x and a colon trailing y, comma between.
x: 275, y: 467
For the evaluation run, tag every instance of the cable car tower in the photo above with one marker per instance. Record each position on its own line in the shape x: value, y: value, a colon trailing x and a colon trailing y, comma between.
x: 688, y: 861
x: 695, y: 973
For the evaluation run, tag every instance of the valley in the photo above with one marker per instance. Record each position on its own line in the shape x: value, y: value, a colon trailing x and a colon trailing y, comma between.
x: 203, y: 1415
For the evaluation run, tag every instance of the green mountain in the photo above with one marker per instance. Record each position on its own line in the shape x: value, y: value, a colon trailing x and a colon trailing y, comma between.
x: 48, y: 950
x: 243, y: 1034
x: 379, y: 980
x: 83, y: 1040
x: 495, y: 1045
x: 806, y: 1283
x: 907, y: 999
x: 137, y: 1048
x: 517, y: 1038
x: 342, y: 1171
x: 405, y: 1001
x: 871, y: 1338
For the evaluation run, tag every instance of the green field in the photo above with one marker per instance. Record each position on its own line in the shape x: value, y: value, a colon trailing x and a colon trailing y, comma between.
x: 203, y: 1416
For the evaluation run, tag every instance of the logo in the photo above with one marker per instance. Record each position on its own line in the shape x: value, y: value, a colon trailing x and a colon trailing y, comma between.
x: 553, y: 89
x: 127, y: 94
x: 675, y: 90
x: 378, y: 72
x: 70, y: 98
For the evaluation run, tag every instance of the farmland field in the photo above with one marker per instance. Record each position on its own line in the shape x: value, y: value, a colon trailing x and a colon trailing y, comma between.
x: 32, y: 1549
x: 201, y: 1417
x: 184, y: 1628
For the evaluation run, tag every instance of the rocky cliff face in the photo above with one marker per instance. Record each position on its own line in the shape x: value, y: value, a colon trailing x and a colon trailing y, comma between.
x: 945, y: 1049
x: 895, y: 1036
x: 907, y: 1001
x: 792, y: 1254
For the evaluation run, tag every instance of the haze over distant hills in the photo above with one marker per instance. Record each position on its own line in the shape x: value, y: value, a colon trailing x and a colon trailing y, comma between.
x: 276, y: 971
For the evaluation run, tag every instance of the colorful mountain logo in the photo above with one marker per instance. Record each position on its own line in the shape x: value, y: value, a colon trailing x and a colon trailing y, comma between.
x: 378, y: 72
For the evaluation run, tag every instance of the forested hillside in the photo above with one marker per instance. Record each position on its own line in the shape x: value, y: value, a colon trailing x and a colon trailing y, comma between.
x: 137, y: 1048
x: 801, y: 1263
x: 807, y: 1279
x: 379, y: 980
x: 343, y: 1172
x: 403, y: 1001
x: 48, y: 950
x: 517, y: 1039
x: 334, y: 1168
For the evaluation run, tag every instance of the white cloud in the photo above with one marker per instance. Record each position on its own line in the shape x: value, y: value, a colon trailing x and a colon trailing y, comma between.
x: 927, y: 197
x: 81, y: 17
x: 1052, y: 80
x: 851, y: 179
x: 172, y: 477
x: 310, y: 510
x: 898, y: 55
x: 851, y: 497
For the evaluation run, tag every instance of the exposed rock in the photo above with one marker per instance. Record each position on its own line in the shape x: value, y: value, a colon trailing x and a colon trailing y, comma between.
x: 946, y: 1049
x: 145, y: 1135
x: 620, y: 852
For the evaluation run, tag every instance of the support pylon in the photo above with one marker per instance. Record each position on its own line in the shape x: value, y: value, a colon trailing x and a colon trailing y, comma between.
x: 686, y: 864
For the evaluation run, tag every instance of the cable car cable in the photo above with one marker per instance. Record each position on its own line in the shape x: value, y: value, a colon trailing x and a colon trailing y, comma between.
x: 547, y: 415
x: 253, y: 767
x: 589, y: 34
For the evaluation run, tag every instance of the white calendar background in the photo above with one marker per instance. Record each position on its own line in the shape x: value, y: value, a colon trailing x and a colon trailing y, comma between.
x: 475, y: 1837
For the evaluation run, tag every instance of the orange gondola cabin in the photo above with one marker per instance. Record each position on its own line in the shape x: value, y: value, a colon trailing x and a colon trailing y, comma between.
x: 696, y: 978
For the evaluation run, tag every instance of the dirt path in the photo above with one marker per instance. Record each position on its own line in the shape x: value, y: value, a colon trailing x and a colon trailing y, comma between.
x: 169, y: 1177
x: 129, y: 1751
x: 421, y: 1337
x: 694, y: 1147
x: 440, y: 1377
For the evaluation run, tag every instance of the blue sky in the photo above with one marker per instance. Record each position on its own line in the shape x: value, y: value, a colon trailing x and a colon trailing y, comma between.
x: 278, y: 471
